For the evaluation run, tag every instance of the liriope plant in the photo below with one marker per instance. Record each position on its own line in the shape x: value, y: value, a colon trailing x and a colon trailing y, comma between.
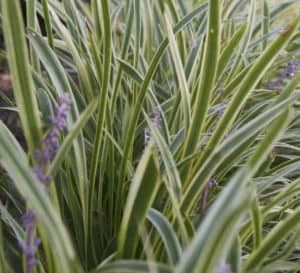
x: 161, y: 136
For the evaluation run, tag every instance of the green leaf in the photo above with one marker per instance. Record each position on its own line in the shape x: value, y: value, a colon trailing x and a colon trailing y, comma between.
x: 168, y: 161
x: 131, y: 71
x: 194, y: 56
x: 62, y: 85
x: 3, y: 260
x: 9, y: 220
x: 272, y: 134
x: 242, y: 50
x: 272, y: 240
x: 256, y: 222
x: 235, y: 254
x: 140, y: 197
x: 208, y: 77
x: 143, y: 91
x: 183, y: 86
x: 167, y: 235
x: 124, y: 49
x: 51, y: 62
x: 248, y: 83
x: 265, y: 21
x: 287, y: 193
x: 48, y: 22
x: 104, y: 88
x: 278, y: 266
x: 218, y: 229
x: 131, y: 266
x: 82, y: 68
x: 19, y: 68
x: 173, y: 184
x: 230, y: 49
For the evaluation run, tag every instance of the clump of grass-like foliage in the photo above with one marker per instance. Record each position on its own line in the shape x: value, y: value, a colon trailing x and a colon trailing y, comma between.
x: 161, y: 136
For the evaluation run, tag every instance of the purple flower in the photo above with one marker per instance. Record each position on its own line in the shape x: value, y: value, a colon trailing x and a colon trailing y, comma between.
x: 44, y: 156
x: 29, y: 247
x: 211, y: 183
x: 59, y: 120
x: 287, y: 73
x: 51, y: 140
x: 224, y: 267
x: 28, y: 219
x: 41, y: 176
x: 275, y: 84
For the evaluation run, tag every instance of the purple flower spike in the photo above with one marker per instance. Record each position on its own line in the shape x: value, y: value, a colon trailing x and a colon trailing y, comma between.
x: 225, y: 136
x: 212, y: 182
x: 61, y: 112
x: 51, y: 140
x: 275, y: 84
x: 44, y: 156
x: 220, y: 113
x: 41, y: 176
x: 37, y: 242
x: 287, y: 73
x: 28, y: 219
x: 65, y: 99
x: 30, y: 246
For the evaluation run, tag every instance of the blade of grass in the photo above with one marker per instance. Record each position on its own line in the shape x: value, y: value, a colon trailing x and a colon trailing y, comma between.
x: 267, y: 246
x: 183, y: 86
x: 217, y: 229
x: 31, y: 17
x: 105, y: 87
x: 207, y: 80
x: 167, y: 235
x: 245, y: 41
x: 229, y: 50
x: 266, y: 22
x: 48, y: 23
x: 140, y: 197
x: 173, y: 184
x: 132, y: 266
x: 19, y: 67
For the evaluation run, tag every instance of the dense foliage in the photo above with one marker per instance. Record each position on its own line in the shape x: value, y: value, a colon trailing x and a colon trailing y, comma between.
x: 161, y: 136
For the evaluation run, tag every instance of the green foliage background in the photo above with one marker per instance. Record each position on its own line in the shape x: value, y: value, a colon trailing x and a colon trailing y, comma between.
x: 118, y: 205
